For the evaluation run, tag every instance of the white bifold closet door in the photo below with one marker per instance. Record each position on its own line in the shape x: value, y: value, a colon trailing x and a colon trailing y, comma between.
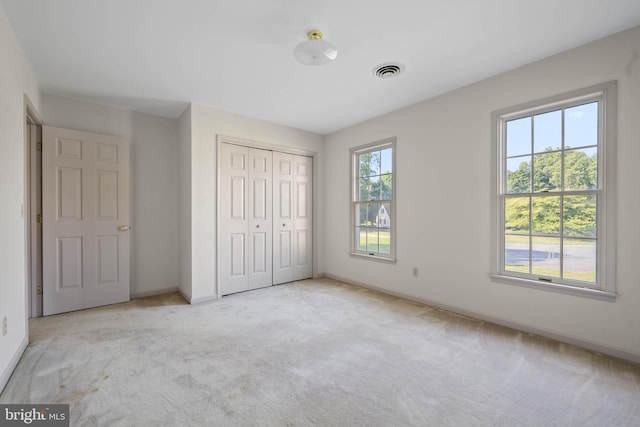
x: 292, y: 206
x: 265, y: 218
x: 246, y: 218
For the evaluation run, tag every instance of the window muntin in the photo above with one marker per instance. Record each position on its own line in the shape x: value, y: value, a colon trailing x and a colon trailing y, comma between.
x: 373, y: 200
x: 552, y: 202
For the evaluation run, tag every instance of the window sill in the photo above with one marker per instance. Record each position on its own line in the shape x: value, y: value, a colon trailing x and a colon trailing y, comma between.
x: 555, y: 287
x: 379, y: 258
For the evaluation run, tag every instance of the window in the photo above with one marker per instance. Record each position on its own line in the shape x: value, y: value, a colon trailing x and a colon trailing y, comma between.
x: 554, y: 177
x: 372, y: 200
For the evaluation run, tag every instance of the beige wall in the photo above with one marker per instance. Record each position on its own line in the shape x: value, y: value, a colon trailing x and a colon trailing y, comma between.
x: 444, y: 193
x: 184, y: 182
x: 154, y: 183
x: 16, y: 81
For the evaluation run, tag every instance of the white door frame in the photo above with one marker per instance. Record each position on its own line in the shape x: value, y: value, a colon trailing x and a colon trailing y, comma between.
x: 272, y: 147
x: 34, y: 299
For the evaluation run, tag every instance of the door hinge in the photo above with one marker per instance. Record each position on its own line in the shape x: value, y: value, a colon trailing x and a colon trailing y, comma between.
x: 39, y: 290
x: 39, y: 218
x: 39, y: 146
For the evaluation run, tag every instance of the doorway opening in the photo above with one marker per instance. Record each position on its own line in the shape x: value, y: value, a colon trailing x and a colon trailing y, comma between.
x: 33, y: 208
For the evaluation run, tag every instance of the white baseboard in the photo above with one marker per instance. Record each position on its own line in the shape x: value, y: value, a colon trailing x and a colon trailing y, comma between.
x: 154, y: 293
x: 6, y: 374
x: 203, y: 299
x: 200, y: 300
x: 599, y: 348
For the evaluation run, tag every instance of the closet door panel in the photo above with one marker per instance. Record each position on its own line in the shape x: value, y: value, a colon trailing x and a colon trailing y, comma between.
x: 283, y: 218
x: 302, y: 221
x: 260, y: 218
x: 234, y: 221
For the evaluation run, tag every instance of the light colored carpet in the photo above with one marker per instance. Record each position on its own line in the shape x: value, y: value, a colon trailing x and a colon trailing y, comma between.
x: 313, y: 353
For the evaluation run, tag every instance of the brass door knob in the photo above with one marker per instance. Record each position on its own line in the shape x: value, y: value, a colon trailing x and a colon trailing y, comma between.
x: 124, y: 228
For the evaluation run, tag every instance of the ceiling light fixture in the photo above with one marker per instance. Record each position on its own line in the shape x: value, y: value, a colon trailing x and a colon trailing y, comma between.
x: 315, y: 51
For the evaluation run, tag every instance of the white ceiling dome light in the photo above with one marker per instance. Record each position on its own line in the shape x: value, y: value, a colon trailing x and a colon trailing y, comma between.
x: 315, y: 50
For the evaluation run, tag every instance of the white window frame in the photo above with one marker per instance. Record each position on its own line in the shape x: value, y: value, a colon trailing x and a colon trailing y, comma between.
x: 605, y: 286
x: 354, y: 196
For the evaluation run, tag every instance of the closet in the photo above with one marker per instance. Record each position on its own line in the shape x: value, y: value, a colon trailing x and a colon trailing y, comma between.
x: 265, y: 226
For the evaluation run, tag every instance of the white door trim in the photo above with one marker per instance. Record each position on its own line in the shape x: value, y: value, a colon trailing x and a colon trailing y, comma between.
x: 31, y: 117
x: 220, y: 139
x: 265, y: 146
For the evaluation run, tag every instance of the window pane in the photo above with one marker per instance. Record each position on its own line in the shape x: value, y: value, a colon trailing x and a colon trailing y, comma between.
x: 385, y: 222
x: 545, y: 216
x: 519, y: 175
x: 364, y: 189
x: 383, y: 216
x: 580, y: 259
x: 581, y: 125
x: 374, y: 188
x: 580, y: 214
x: 366, y: 214
x: 581, y: 169
x: 367, y: 239
x: 372, y: 213
x: 361, y: 239
x: 384, y: 241
x: 374, y: 163
x: 547, y: 131
x: 386, y: 187
x: 386, y: 155
x: 516, y: 215
x: 519, y: 137
x: 547, y: 172
x: 364, y: 164
x: 377, y: 185
x: 372, y: 240
x: 545, y: 256
x: 361, y: 214
x: 516, y: 253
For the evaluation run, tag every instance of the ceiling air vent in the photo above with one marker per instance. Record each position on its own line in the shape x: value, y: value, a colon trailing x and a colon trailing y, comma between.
x: 387, y: 71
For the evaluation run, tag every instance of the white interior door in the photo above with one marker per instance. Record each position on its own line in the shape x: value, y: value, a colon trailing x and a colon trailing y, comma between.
x: 245, y: 218
x: 302, y: 217
x: 85, y: 188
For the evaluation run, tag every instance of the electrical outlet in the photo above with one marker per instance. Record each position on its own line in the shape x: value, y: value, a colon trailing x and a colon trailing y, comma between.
x: 414, y: 271
x: 4, y: 326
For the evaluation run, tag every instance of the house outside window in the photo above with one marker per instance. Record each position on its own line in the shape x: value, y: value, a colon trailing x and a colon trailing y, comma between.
x: 373, y: 200
x: 555, y: 181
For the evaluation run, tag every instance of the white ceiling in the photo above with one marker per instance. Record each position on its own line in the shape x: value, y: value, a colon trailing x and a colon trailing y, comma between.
x: 156, y: 56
